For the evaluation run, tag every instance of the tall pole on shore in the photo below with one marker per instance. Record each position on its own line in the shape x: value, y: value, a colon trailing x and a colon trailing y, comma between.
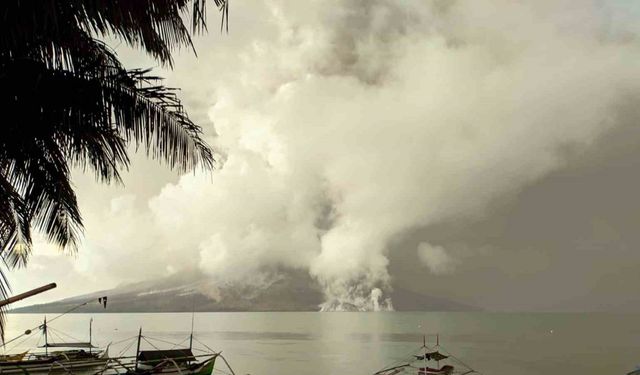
x: 28, y: 294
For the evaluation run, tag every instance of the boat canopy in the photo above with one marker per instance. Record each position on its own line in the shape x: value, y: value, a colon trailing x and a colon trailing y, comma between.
x: 69, y: 345
x: 436, y: 356
x: 178, y: 355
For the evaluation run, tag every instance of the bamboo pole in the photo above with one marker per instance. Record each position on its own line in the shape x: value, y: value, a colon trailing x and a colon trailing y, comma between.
x: 28, y: 294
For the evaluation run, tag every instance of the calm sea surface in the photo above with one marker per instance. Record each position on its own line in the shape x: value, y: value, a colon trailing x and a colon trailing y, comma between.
x: 361, y: 343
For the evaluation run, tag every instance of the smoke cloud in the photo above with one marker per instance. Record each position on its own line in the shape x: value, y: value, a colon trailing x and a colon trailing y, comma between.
x: 342, y: 126
x: 436, y: 259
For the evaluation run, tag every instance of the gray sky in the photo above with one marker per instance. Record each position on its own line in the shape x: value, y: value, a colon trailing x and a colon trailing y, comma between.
x: 482, y: 151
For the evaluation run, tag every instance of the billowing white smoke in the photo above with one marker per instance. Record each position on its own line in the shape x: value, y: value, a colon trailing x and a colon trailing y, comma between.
x: 436, y: 259
x: 345, y: 124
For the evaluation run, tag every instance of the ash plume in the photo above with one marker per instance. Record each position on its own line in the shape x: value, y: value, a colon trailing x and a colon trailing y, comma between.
x: 345, y: 126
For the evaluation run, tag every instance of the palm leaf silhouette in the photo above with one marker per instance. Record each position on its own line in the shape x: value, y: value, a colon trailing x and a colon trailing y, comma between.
x: 68, y: 102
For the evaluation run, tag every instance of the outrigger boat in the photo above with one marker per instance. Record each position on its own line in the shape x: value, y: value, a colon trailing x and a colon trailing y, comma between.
x: 164, y: 361
x: 54, y: 356
x: 172, y: 361
x: 421, y: 361
x: 63, y: 360
x: 87, y: 359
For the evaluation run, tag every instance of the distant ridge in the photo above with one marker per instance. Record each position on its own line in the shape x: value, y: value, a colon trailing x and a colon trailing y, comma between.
x: 289, y: 291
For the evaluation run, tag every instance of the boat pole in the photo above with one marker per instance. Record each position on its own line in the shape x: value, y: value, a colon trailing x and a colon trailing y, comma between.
x: 90, y: 324
x: 138, y: 347
x: 424, y: 346
x: 438, y: 346
x: 191, y: 335
x: 46, y: 341
x: 28, y: 294
x: 193, y: 313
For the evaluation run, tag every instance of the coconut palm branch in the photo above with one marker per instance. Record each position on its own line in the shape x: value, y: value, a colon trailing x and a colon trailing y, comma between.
x: 69, y: 103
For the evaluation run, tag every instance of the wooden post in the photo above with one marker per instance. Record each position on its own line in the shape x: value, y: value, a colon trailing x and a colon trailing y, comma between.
x: 28, y: 294
x: 46, y: 341
x: 138, y: 347
x: 90, y: 324
x: 438, y: 346
x: 191, y: 335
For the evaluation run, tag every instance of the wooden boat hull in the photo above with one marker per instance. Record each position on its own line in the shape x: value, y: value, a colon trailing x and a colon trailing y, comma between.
x: 13, y: 357
x: 444, y: 370
x: 168, y: 368
x: 46, y: 366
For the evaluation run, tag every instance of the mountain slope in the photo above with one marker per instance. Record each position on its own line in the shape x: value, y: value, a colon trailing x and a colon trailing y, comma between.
x: 290, y: 291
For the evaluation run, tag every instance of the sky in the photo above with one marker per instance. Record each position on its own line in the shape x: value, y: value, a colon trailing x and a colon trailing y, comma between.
x: 483, y: 151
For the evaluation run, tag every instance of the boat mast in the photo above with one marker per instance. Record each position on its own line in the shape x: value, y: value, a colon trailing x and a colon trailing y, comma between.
x: 138, y: 347
x: 46, y: 341
x: 438, y: 347
x: 424, y: 346
x: 90, y: 323
x: 191, y: 335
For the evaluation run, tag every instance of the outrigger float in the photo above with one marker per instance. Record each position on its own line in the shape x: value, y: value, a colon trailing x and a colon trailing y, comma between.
x: 421, y: 362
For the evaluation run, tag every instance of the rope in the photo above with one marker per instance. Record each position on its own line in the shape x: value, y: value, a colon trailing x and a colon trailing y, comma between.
x: 121, y: 341
x: 148, y: 342
x: 408, y: 358
x: 57, y: 336
x: 62, y: 333
x: 180, y: 343
x: 203, y: 344
x: 164, y: 341
x: 20, y: 343
x: 126, y: 348
x: 202, y: 350
x: 4, y: 344
x: 226, y: 363
x: 459, y: 361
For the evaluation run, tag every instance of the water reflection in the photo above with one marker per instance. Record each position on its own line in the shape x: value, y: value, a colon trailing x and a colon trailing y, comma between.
x: 361, y: 343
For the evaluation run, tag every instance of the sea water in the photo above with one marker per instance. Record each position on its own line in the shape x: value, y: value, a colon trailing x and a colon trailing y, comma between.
x: 288, y: 343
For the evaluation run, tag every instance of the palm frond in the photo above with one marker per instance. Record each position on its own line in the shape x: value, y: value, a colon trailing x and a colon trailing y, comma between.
x: 156, y: 26
x: 73, y: 104
x: 86, y: 119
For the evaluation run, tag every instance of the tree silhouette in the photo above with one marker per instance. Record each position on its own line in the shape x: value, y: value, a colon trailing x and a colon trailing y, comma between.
x: 67, y: 101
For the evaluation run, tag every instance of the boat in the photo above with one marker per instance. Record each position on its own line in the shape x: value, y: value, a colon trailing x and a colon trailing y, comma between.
x: 175, y: 361
x: 181, y: 361
x: 63, y: 360
x: 13, y: 357
x: 87, y: 359
x: 52, y: 356
x: 421, y: 362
